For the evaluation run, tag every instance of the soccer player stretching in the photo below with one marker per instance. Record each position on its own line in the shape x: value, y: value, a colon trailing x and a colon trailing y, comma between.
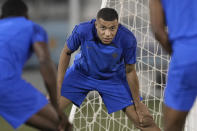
x: 106, y: 63
x: 20, y: 102
x: 180, y: 41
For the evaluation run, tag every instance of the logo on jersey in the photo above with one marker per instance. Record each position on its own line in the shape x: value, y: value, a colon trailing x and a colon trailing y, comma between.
x: 115, y: 55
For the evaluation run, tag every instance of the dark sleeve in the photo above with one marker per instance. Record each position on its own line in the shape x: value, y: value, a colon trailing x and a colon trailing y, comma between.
x: 74, y: 40
x: 129, y: 50
x: 39, y: 34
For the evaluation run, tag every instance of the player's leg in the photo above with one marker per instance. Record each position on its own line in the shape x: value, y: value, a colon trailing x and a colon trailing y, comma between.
x: 63, y: 104
x: 178, y: 101
x: 180, y: 92
x: 45, y: 119
x: 174, y: 120
x: 21, y: 101
x: 147, y: 124
x: 117, y: 96
x: 74, y: 89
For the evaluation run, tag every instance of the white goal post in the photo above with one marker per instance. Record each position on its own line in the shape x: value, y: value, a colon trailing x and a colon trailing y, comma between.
x: 152, y: 64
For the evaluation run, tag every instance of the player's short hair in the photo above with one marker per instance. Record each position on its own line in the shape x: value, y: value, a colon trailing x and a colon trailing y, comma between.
x: 107, y: 14
x: 14, y: 8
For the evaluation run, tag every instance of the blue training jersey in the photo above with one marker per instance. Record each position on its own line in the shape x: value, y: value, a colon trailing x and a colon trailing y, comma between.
x: 181, y: 18
x: 99, y: 60
x: 17, y: 34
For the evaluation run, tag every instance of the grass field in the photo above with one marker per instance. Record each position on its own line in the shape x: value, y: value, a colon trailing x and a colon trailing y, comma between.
x: 4, y: 126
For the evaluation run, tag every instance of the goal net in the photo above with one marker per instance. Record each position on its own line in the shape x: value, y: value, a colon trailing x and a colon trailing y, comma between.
x: 152, y: 64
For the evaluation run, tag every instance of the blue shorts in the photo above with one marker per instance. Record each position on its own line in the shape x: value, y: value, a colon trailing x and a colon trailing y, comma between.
x: 19, y: 100
x: 116, y: 95
x: 181, y: 90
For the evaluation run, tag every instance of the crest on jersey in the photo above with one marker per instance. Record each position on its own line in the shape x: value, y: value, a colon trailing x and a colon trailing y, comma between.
x: 114, y: 55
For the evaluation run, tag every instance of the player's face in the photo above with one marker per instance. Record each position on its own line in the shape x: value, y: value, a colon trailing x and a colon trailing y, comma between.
x: 106, y: 30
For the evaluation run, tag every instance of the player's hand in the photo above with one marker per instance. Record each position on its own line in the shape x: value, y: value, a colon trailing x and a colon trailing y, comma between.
x: 145, y: 118
x: 63, y: 120
x: 139, y: 111
x: 64, y: 124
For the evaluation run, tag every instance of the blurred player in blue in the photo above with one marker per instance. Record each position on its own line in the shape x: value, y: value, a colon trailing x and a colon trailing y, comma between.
x: 20, y: 102
x: 179, y: 39
x: 106, y: 63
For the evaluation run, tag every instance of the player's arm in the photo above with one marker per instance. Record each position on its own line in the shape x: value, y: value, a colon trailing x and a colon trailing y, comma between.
x: 62, y: 67
x: 47, y: 69
x: 133, y: 82
x: 157, y: 18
